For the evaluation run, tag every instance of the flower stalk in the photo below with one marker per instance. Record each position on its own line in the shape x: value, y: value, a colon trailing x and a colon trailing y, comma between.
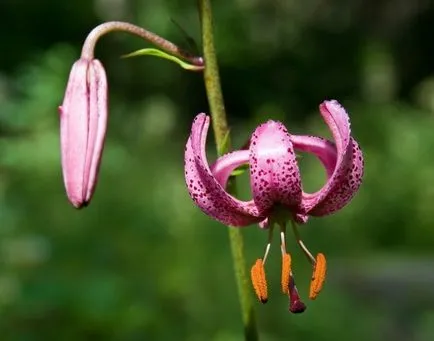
x: 222, y: 139
x: 165, y: 45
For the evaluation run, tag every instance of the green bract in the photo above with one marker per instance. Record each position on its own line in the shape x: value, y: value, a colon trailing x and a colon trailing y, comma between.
x: 164, y: 55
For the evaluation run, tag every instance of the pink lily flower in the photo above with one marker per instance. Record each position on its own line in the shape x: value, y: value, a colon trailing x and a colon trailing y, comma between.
x: 278, y: 196
x: 83, y: 123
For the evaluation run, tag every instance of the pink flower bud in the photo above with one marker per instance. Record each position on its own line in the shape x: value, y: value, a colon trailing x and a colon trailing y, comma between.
x: 83, y: 122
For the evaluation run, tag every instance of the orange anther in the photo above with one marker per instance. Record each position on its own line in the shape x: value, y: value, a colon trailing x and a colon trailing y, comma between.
x: 286, y: 272
x: 318, y: 276
x: 259, y: 282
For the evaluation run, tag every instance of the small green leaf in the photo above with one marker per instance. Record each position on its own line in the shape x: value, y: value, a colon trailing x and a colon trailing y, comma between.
x: 240, y: 170
x: 164, y: 55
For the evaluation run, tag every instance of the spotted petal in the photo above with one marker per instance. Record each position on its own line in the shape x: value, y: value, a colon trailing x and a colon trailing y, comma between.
x: 226, y: 164
x: 323, y: 149
x: 203, y: 186
x: 346, y: 184
x: 274, y: 174
x: 345, y: 179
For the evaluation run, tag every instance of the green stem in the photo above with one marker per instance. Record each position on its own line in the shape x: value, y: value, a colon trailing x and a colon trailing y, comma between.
x: 221, y: 133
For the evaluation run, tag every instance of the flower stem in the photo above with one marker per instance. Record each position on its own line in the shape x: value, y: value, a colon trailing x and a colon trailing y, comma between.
x: 221, y: 134
x: 90, y: 42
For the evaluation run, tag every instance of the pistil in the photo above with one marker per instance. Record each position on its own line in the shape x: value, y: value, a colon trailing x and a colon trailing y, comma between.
x: 288, y: 283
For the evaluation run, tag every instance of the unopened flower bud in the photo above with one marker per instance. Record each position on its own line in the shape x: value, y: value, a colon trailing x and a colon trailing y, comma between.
x: 83, y: 122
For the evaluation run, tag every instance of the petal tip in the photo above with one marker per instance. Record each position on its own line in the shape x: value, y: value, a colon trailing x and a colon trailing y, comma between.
x: 201, y: 116
x: 78, y: 203
x: 331, y: 105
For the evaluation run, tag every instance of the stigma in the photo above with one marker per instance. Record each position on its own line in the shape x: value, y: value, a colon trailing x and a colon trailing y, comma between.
x: 288, y: 287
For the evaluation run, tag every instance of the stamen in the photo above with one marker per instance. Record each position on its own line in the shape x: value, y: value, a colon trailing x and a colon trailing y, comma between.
x: 267, y: 250
x: 282, y: 242
x: 318, y: 276
x: 259, y: 281
x: 301, y: 244
x: 286, y: 272
x: 306, y: 251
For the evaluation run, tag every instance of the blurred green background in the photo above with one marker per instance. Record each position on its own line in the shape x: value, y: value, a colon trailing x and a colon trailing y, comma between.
x: 141, y: 262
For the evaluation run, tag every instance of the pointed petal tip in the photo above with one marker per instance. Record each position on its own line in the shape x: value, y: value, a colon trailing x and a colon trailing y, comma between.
x: 80, y: 206
x: 331, y: 104
x: 271, y: 122
x: 200, y: 123
x: 75, y: 195
x: 270, y: 126
x: 201, y: 117
x: 77, y: 203
x: 338, y: 120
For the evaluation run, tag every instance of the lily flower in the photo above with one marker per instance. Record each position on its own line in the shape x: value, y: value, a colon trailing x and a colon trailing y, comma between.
x: 83, y: 123
x: 278, y: 196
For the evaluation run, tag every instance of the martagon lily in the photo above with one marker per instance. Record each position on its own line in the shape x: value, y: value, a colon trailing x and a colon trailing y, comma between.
x: 278, y: 195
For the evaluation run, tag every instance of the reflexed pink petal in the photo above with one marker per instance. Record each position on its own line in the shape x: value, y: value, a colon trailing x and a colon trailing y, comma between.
x: 274, y: 174
x: 83, y: 119
x: 205, y: 189
x: 345, y: 179
x: 338, y: 122
x: 323, y: 149
x: 345, y: 185
x: 226, y: 164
